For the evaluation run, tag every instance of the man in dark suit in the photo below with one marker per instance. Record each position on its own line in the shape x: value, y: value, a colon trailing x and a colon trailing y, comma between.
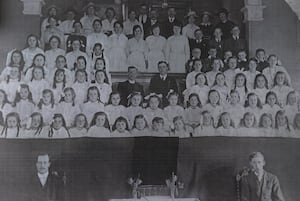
x: 235, y: 42
x: 258, y: 184
x: 130, y: 85
x: 262, y: 62
x: 218, y: 42
x: 162, y: 83
x: 225, y: 24
x: 167, y: 28
x: 200, y: 43
x: 45, y: 185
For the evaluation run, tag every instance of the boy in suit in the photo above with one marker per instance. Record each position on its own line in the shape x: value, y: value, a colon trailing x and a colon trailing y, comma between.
x: 258, y: 184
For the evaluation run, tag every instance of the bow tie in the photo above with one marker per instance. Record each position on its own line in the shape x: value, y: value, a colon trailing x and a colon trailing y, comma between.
x: 171, y: 19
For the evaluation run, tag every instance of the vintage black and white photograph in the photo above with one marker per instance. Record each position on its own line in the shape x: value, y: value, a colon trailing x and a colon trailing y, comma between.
x: 150, y: 100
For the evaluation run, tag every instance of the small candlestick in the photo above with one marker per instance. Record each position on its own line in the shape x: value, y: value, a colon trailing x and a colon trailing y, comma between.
x: 172, y: 185
x: 135, y: 182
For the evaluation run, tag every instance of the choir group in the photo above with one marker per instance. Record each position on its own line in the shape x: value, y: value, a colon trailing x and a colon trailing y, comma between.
x: 60, y: 85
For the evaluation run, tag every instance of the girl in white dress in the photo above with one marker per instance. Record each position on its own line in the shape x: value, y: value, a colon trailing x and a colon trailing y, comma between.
x: 271, y: 106
x: 38, y: 60
x: 253, y: 105
x: 240, y: 85
x: 11, y: 85
x: 134, y: 108
x: 156, y: 44
x: 158, y: 128
x: 121, y: 128
x: 80, y: 126
x: 140, y: 126
x: 80, y: 64
x: 46, y: 106
x: 23, y: 103
x: 114, y: 109
x: 231, y: 71
x: 93, y: 103
x: 59, y: 83
x: 35, y: 127
x: 57, y: 128
x: 190, y: 78
x: 292, y: 105
x: 38, y: 83
x: 206, y: 128
x: 61, y: 63
x: 177, y: 50
x: 225, y: 126
x: 214, y: 105
x: 261, y: 87
x: 117, y: 51
x: 55, y: 51
x: 282, y: 125
x: 180, y: 129
x: 98, y: 53
x: 16, y: 60
x: 220, y: 85
x: 80, y: 86
x: 67, y: 106
x: 154, y: 110
x: 31, y: 50
x: 266, y: 125
x: 199, y: 88
x: 5, y: 105
x: 248, y: 126
x: 281, y: 87
x: 251, y: 73
x: 100, y: 64
x: 235, y: 108
x: 137, y: 50
x: 12, y: 126
x: 192, y: 114
x: 102, y: 84
x: 74, y: 54
x: 99, y: 126
x: 217, y: 64
x: 173, y: 109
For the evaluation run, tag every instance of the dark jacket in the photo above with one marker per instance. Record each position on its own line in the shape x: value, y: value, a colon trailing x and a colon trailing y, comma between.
x: 126, y: 88
x: 266, y: 190
x: 235, y: 45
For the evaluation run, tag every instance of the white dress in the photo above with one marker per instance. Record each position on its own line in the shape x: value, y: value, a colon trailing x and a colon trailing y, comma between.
x: 177, y: 53
x: 47, y: 112
x: 131, y: 112
x: 126, y: 133
x: 87, y: 23
x: 72, y: 58
x: 51, y: 56
x: 5, y: 109
x: 211, y: 76
x: 261, y: 93
x: 28, y: 56
x: 94, y: 38
x: 95, y: 131
x: 192, y: 116
x: 75, y: 132
x: 271, y: 72
x: 36, y: 87
x: 190, y: 79
x: 271, y: 110
x: 137, y: 51
x: 10, y: 88
x: 58, y: 134
x: 201, y: 91
x: 108, y: 26
x: 189, y: 30
x: 228, y: 132
x: 90, y: 108
x: 68, y: 111
x: 25, y: 108
x: 173, y: 111
x: 156, y: 46
x: 290, y: 112
x: 11, y: 132
x: 282, y: 93
x: 150, y: 114
x: 236, y: 113
x: 251, y: 78
x: 215, y: 112
x: 80, y: 91
x: 113, y: 112
x: 117, y: 52
x: 105, y: 90
x: 67, y: 26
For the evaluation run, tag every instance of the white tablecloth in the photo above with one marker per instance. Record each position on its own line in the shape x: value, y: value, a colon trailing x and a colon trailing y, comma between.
x: 157, y: 198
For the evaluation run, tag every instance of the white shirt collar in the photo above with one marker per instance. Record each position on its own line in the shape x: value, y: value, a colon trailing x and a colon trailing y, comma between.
x: 164, y: 77
x: 131, y: 81
x: 43, y: 177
